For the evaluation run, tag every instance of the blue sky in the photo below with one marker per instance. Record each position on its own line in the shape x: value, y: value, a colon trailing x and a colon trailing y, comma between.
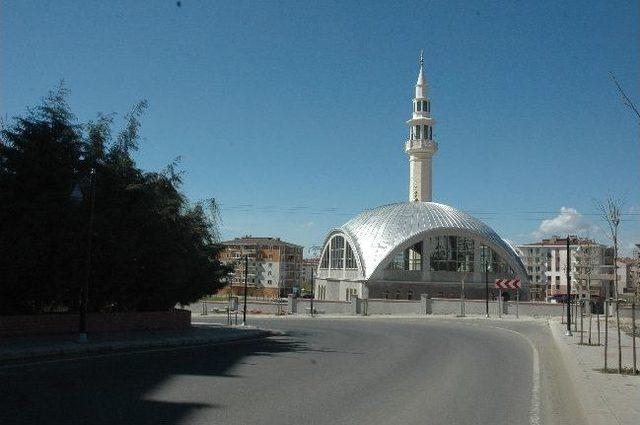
x: 291, y: 114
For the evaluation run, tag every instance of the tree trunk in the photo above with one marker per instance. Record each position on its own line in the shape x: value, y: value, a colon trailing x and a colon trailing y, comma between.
x: 606, y: 329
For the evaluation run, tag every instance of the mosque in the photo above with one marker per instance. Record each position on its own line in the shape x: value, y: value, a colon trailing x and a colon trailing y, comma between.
x: 403, y: 250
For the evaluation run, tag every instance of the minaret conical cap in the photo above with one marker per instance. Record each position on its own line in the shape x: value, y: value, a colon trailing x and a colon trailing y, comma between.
x: 421, y: 84
x: 420, y: 81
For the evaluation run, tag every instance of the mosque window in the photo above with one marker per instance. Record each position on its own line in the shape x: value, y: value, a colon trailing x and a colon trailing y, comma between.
x: 350, y: 258
x: 409, y: 259
x: 337, y: 252
x: 495, y: 263
x: 451, y: 253
x: 419, y: 105
x: 324, y: 264
x: 430, y: 132
x: 418, y: 132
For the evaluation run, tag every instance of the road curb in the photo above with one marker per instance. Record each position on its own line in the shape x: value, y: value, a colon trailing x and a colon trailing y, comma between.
x: 594, y: 408
x: 116, y: 347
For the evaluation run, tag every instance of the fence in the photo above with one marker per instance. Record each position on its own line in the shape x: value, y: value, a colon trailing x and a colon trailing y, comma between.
x: 439, y: 306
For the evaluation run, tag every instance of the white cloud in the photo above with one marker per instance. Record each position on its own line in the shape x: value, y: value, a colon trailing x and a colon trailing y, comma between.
x: 569, y: 221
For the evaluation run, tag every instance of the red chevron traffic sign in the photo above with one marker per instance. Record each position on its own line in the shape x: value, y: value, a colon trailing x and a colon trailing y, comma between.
x: 507, y: 283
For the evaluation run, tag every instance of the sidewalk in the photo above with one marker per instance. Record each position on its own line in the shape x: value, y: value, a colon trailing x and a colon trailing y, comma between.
x: 40, y: 347
x: 605, y: 398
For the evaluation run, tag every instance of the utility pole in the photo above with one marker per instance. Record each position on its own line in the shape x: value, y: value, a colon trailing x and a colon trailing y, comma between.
x: 84, y: 299
x: 312, y: 291
x: 486, y: 280
x: 246, y: 273
x: 568, y: 268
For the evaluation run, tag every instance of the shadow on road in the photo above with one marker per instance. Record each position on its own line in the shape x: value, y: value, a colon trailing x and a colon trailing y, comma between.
x: 116, y: 389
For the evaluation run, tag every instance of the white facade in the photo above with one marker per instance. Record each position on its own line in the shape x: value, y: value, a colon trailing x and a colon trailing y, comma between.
x: 420, y: 146
x: 546, y: 265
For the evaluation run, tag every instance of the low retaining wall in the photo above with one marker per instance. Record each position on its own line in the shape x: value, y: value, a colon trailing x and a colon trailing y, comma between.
x: 253, y: 307
x: 50, y: 324
x: 303, y: 306
x: 382, y: 306
x: 372, y: 306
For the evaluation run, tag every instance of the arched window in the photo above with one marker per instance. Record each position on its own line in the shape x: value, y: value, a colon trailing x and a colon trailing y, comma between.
x: 324, y: 264
x: 350, y: 258
x: 337, y: 252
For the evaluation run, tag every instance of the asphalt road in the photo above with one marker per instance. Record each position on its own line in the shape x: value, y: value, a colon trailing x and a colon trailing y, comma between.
x: 324, y: 371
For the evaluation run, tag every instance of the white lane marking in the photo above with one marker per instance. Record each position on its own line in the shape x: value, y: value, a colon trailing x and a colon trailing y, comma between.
x: 534, y: 410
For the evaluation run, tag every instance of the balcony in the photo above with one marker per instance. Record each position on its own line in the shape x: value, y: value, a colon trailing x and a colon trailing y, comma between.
x: 426, y: 146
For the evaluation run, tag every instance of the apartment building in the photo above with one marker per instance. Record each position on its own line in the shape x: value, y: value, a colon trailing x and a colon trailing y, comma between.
x: 274, y: 266
x: 546, y: 264
x: 628, y: 275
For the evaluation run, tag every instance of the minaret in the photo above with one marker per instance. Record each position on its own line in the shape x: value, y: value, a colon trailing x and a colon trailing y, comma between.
x: 420, y: 147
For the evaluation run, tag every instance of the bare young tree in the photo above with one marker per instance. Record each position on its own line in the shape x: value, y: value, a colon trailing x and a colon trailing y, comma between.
x: 625, y: 99
x: 610, y: 213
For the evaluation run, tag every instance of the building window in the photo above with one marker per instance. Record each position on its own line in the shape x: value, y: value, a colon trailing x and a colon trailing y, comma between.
x: 350, y: 293
x: 337, y: 252
x: 324, y: 264
x: 409, y: 294
x: 419, y: 105
x: 418, y: 132
x: 350, y: 260
x: 451, y: 253
x: 430, y: 132
x: 495, y: 263
x: 409, y: 259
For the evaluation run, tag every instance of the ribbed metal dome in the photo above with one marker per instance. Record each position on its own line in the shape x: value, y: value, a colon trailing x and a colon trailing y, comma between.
x: 377, y: 232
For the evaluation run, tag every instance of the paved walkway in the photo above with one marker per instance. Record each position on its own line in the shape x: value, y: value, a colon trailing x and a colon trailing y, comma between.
x: 605, y: 398
x: 32, y: 348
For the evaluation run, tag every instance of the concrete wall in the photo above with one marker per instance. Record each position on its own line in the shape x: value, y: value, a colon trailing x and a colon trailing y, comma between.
x: 536, y: 309
x: 303, y: 306
x: 253, y: 307
x: 49, y: 324
x: 423, y: 305
x: 382, y: 306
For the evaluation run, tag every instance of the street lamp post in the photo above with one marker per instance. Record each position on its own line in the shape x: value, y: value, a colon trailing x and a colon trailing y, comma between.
x: 84, y: 297
x: 246, y: 273
x: 312, y: 291
x: 568, y: 333
x: 486, y: 280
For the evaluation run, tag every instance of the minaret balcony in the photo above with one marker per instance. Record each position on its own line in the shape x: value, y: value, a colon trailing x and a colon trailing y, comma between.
x: 421, y: 145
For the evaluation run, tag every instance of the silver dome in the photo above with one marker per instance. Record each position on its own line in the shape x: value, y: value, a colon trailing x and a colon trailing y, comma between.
x: 376, y: 233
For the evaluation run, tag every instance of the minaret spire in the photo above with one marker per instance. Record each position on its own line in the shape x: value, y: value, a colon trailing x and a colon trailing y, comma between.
x: 420, y: 146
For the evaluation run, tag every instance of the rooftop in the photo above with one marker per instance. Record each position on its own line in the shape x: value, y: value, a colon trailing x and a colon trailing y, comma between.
x: 259, y: 240
x: 562, y: 241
